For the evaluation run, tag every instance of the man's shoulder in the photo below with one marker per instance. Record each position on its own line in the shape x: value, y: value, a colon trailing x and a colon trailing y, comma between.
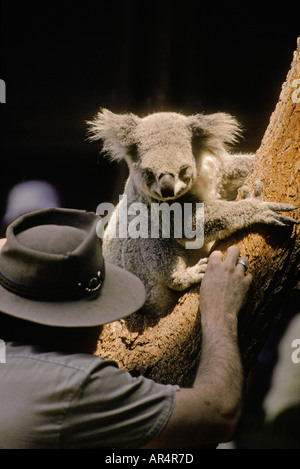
x: 81, y: 362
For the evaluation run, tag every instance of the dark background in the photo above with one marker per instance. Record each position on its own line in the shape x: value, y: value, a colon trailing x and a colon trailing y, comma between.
x: 62, y: 61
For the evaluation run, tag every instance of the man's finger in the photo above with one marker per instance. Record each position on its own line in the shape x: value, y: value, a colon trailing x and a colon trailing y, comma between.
x: 216, y: 256
x: 232, y: 255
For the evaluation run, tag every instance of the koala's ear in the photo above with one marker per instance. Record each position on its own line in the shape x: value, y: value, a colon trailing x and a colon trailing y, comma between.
x: 219, y: 128
x: 115, y: 131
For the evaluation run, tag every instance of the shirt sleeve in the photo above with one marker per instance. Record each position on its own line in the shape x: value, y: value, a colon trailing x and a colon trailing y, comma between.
x: 112, y: 409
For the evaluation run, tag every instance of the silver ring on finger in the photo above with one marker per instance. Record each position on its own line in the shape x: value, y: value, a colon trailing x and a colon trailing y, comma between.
x: 243, y: 263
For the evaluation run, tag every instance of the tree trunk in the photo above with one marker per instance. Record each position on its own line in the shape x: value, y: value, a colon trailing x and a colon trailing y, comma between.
x: 274, y: 254
x: 169, y: 352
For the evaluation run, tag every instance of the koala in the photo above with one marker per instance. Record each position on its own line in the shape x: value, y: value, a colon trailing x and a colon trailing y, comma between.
x: 183, y: 159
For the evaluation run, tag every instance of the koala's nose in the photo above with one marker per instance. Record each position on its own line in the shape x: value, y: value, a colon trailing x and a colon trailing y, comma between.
x: 167, y: 184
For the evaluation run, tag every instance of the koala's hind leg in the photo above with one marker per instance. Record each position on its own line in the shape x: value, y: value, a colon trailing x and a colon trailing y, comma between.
x: 183, y: 276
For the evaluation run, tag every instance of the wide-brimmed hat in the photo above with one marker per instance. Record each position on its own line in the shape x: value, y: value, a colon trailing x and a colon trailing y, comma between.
x: 52, y: 272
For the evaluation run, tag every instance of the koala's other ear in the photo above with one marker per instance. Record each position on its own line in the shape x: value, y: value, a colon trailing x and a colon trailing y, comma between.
x: 115, y: 131
x: 218, y: 128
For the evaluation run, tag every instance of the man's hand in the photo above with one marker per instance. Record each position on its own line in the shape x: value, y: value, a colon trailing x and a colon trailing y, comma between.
x: 224, y: 288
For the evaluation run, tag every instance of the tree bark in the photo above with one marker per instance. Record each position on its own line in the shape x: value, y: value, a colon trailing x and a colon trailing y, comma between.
x: 169, y: 352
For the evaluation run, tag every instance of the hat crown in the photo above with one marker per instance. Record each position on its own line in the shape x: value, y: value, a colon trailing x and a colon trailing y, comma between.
x: 52, y: 239
x: 53, y: 256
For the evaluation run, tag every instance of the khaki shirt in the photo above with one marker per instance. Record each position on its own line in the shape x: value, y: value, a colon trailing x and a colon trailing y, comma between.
x: 52, y: 400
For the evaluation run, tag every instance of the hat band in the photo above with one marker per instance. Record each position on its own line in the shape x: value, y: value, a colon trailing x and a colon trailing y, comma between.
x: 81, y: 290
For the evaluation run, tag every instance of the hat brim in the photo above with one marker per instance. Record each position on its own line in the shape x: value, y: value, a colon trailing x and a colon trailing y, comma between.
x: 122, y: 294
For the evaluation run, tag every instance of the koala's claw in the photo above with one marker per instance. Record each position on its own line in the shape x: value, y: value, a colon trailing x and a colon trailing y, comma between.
x: 203, y: 262
x: 278, y: 218
x: 258, y: 189
x: 200, y: 269
x: 246, y: 192
x: 197, y: 271
x: 278, y: 207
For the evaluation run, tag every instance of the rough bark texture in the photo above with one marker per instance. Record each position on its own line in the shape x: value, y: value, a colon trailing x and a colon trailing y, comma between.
x: 169, y: 351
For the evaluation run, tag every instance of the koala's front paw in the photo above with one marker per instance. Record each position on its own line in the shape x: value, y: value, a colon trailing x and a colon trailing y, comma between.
x: 266, y: 212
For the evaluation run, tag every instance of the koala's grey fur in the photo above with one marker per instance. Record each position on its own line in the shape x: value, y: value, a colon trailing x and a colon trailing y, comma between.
x: 173, y: 157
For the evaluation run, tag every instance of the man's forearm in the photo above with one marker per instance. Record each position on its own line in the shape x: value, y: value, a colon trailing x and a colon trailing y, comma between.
x: 208, y: 412
x: 219, y: 379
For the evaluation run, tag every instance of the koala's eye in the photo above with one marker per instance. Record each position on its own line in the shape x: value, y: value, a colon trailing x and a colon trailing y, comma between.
x: 185, y: 173
x: 148, y: 176
x: 132, y: 151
